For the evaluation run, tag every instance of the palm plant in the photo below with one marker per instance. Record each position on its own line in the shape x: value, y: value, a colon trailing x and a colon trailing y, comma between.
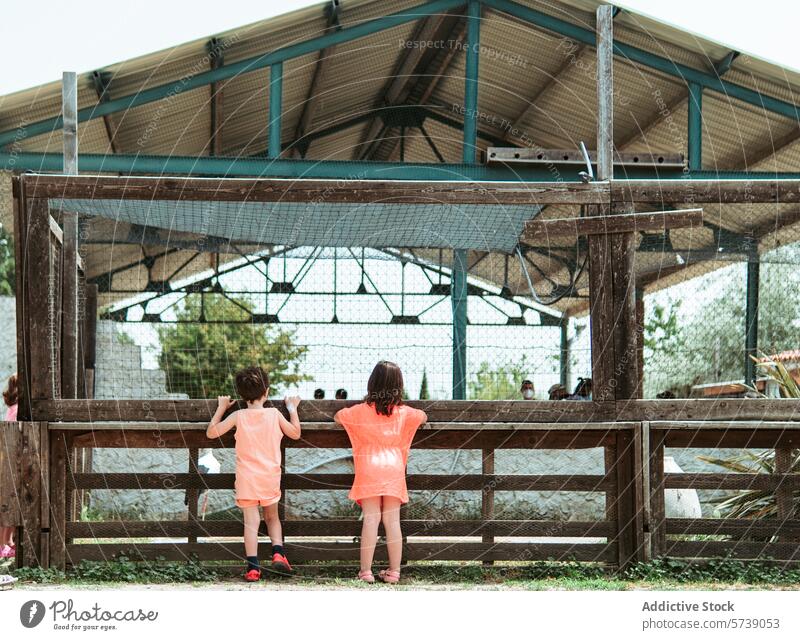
x: 757, y: 503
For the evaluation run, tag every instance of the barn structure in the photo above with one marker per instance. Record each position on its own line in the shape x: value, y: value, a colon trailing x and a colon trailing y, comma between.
x: 448, y: 136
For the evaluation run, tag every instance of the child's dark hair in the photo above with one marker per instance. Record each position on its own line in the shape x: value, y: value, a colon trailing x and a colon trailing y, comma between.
x: 385, y: 387
x: 252, y: 383
x: 11, y: 394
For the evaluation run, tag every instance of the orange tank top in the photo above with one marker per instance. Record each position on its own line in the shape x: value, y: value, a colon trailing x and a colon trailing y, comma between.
x: 258, y: 453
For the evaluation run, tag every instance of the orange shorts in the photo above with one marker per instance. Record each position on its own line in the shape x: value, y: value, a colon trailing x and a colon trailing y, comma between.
x: 265, y: 502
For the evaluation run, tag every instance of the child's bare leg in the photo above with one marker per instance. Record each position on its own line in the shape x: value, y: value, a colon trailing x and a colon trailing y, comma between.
x: 394, y: 536
x: 273, y: 524
x: 251, y: 524
x: 6, y: 536
x: 369, y: 530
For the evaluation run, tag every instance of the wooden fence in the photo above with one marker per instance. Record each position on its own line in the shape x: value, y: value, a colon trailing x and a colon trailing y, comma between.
x: 633, y: 482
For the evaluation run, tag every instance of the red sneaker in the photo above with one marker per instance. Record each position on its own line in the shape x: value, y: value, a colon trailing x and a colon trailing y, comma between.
x: 254, y: 575
x: 280, y: 564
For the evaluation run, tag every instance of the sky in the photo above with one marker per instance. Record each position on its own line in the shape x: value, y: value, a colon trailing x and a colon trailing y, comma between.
x: 84, y: 35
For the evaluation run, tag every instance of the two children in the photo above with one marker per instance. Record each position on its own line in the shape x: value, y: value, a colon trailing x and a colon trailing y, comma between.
x: 380, y: 430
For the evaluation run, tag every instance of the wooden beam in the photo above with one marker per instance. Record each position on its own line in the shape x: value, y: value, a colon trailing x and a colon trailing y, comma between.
x: 706, y: 191
x: 538, y: 229
x: 38, y: 186
x: 472, y: 411
x: 36, y: 284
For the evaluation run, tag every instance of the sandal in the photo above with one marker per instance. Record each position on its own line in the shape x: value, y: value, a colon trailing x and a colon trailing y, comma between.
x: 389, y: 576
x: 366, y: 576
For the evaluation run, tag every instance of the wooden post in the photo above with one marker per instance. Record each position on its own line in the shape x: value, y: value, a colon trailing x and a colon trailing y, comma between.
x: 487, y: 496
x: 784, y: 494
x: 658, y: 528
x: 23, y: 342
x: 70, y: 327
x: 38, y: 267
x: 58, y: 499
x: 29, y: 490
x: 193, y: 494
x: 89, y: 339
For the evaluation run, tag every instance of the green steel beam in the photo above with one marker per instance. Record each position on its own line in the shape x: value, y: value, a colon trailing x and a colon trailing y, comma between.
x: 221, y: 166
x: 275, y: 102
x: 458, y: 281
x: 470, y: 139
x: 225, y: 72
x: 458, y: 297
x: 330, y: 169
x: 695, y: 127
x: 707, y: 80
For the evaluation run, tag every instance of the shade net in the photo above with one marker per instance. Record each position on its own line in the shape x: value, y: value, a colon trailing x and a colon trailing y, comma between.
x: 484, y: 227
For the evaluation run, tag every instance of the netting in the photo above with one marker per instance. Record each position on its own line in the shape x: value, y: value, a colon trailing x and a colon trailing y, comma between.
x: 376, y: 224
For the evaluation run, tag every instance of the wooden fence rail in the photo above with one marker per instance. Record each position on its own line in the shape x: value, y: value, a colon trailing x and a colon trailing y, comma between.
x: 37, y: 460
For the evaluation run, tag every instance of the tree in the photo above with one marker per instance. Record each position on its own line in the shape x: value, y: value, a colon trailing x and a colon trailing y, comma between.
x: 708, y: 345
x: 423, y: 387
x: 500, y: 383
x: 8, y: 282
x: 201, y: 359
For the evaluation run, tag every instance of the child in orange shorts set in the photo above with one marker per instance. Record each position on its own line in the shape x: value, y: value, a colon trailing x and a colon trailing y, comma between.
x: 381, y: 430
x: 258, y: 434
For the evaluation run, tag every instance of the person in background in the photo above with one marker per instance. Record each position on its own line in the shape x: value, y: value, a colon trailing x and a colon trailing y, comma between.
x: 259, y: 431
x: 319, y: 394
x: 557, y: 392
x: 527, y: 390
x: 341, y: 394
x: 11, y: 398
x: 381, y: 430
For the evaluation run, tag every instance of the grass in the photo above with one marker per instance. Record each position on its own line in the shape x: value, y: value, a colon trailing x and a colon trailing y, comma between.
x: 663, y: 574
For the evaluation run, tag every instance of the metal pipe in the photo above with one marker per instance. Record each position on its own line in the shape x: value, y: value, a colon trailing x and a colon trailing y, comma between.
x: 695, y: 127
x: 275, y: 101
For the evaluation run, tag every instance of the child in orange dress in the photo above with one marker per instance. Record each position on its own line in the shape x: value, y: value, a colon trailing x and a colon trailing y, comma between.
x: 258, y: 462
x: 381, y: 430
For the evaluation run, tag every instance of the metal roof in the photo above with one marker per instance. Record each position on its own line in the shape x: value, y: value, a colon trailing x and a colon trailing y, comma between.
x: 534, y: 85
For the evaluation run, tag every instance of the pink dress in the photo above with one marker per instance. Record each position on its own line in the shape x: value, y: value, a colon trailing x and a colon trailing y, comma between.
x: 258, y: 455
x: 11, y: 413
x: 380, y: 449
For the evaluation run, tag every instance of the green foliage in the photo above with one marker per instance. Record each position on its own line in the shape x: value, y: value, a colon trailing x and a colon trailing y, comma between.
x: 201, y: 360
x: 424, y: 394
x: 722, y: 570
x: 122, y: 569
x: 500, y: 383
x: 8, y: 281
x: 707, y: 345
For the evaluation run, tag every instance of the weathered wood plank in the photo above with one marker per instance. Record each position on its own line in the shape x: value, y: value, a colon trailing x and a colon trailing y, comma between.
x: 341, y: 527
x: 29, y: 492
x: 482, y: 411
x: 69, y: 308
x: 293, y: 190
x: 706, y: 191
x: 753, y: 481
x: 487, y: 493
x: 37, y: 285
x: 21, y: 259
x: 581, y: 438
x: 784, y: 495
x: 657, y: 529
x: 348, y: 551
x: 340, y: 481
x: 541, y: 229
x: 10, y: 444
x: 735, y: 549
x: 59, y: 454
x: 739, y: 527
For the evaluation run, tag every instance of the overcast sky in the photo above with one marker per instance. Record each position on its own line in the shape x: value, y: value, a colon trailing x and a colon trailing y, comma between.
x: 45, y: 37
